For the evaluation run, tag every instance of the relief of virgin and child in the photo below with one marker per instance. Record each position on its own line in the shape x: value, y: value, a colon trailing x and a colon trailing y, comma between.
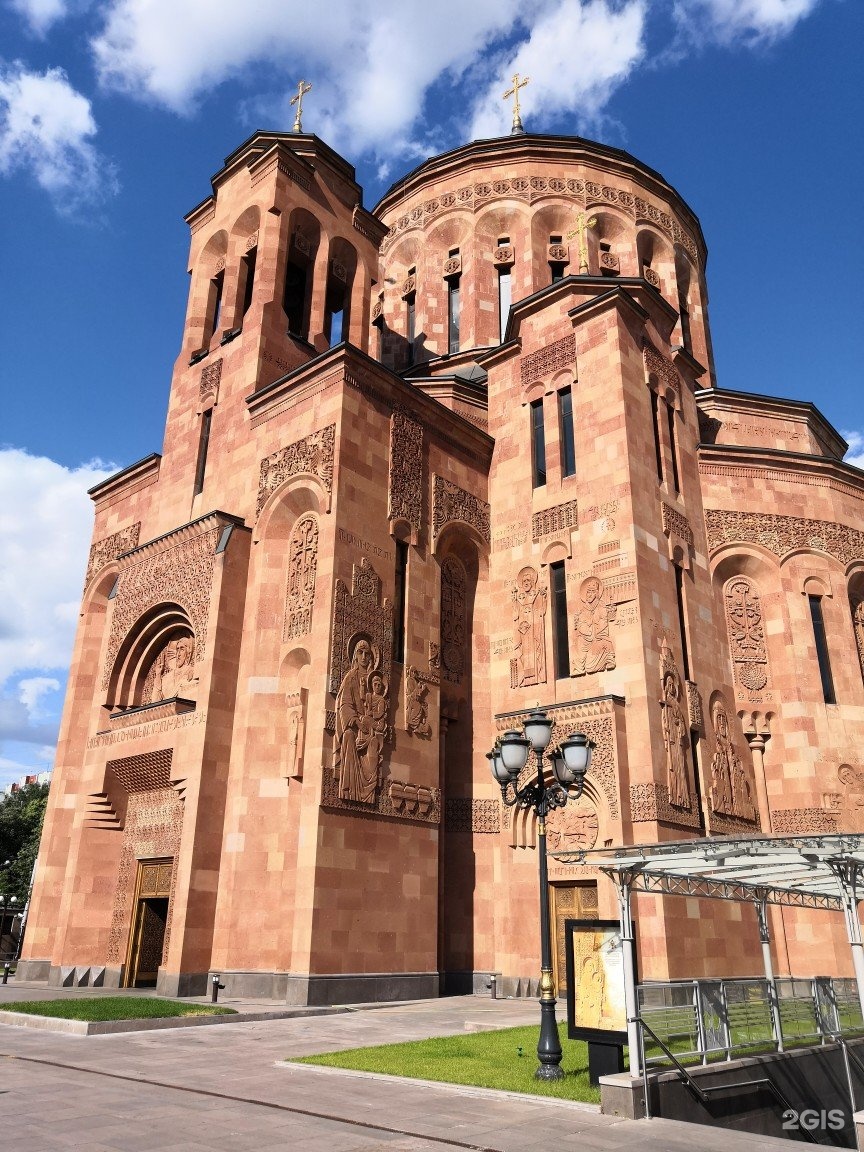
x: 361, y: 726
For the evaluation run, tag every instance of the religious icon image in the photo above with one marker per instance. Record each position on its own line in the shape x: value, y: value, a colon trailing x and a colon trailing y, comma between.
x: 593, y: 649
x: 416, y: 706
x: 528, y: 665
x: 676, y: 734
x: 173, y: 671
x: 361, y: 725
x: 731, y: 791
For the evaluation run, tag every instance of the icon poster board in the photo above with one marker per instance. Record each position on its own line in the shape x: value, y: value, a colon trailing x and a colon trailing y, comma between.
x: 595, y: 981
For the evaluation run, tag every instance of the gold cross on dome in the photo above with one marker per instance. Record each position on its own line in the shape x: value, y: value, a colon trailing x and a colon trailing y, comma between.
x: 514, y: 92
x: 302, y: 89
x: 581, y: 230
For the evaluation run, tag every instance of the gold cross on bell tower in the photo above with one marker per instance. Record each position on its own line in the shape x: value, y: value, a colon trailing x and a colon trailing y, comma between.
x: 517, y: 129
x: 581, y: 230
x: 302, y: 89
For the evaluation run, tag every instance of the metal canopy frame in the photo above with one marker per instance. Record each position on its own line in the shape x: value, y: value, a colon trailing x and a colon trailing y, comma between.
x: 819, y: 872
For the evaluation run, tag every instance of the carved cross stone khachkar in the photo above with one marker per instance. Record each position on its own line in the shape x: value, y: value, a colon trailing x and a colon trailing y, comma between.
x: 593, y: 650
x: 302, y: 568
x: 302, y: 89
x: 676, y: 731
x: 731, y: 792
x: 746, y: 634
x: 528, y: 665
x: 517, y: 128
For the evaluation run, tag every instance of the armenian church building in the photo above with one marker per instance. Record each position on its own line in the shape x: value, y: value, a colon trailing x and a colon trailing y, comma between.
x: 426, y: 467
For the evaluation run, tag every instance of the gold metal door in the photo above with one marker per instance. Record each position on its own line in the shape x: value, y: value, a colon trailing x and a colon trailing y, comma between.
x: 569, y: 902
x: 150, y: 917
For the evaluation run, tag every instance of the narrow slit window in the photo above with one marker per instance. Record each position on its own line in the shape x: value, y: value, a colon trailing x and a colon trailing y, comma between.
x: 399, y: 600
x: 218, y: 283
x: 556, y: 267
x: 697, y: 781
x: 411, y: 324
x: 453, y: 311
x: 821, y: 639
x: 560, y: 638
x: 568, y: 438
x: 682, y: 619
x: 538, y: 444
x: 655, y: 420
x: 673, y: 446
x: 249, y: 261
x: 335, y: 302
x: 684, y: 315
x: 294, y: 299
x: 505, y: 296
x: 203, y: 445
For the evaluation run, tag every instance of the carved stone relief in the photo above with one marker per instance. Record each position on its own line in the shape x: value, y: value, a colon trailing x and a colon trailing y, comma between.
x: 172, y: 672
x: 593, y: 650
x: 467, y: 815
x: 450, y: 502
x: 359, y: 611
x: 802, y: 821
x: 312, y: 455
x: 557, y: 519
x: 558, y: 354
x: 295, y: 705
x: 416, y: 705
x: 208, y: 388
x: 113, y: 546
x: 858, y: 624
x: 732, y: 793
x: 528, y: 664
x: 302, y: 569
x: 676, y: 732
x: 847, y: 805
x: 782, y: 534
x: 154, y: 823
x: 174, y: 569
x: 676, y: 524
x: 406, y: 470
x: 665, y: 371
x: 650, y: 802
x: 454, y: 618
x: 573, y: 827
x: 746, y: 631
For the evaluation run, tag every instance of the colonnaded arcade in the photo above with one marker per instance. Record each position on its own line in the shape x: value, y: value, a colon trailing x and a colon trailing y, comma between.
x: 425, y: 467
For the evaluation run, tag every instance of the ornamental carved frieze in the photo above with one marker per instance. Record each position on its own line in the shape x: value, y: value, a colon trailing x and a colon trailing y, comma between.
x: 397, y: 799
x: 746, y: 630
x: 454, y: 619
x: 462, y: 814
x: 530, y: 600
x: 593, y: 648
x: 302, y: 569
x: 177, y: 569
x: 675, y: 523
x: 154, y: 823
x: 585, y: 192
x: 313, y: 456
x: 208, y: 387
x: 732, y: 791
x: 676, y: 731
x: 111, y: 548
x: 559, y: 354
x: 650, y: 801
x: 596, y: 720
x: 557, y: 519
x: 802, y: 821
x: 661, y: 368
x: 406, y: 470
x: 452, y: 503
x: 783, y: 534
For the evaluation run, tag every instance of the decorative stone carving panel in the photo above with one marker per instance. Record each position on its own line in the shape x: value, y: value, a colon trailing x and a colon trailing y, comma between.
x: 559, y: 354
x: 454, y: 618
x: 398, y: 799
x: 416, y: 705
x: 450, y: 502
x: 302, y: 569
x: 593, y: 649
x: 573, y: 827
x: 172, y: 673
x: 557, y: 519
x: 528, y: 664
x: 178, y: 569
x: 208, y: 388
x: 782, y: 534
x: 652, y: 277
x: 676, y: 732
x: 361, y: 610
x: 676, y: 524
x: 313, y: 455
x: 802, y: 821
x: 111, y: 548
x: 746, y: 631
x: 857, y: 607
x: 406, y: 470
x: 462, y: 814
x: 659, y: 366
x: 154, y: 823
x: 651, y: 802
x: 295, y: 706
x: 732, y: 792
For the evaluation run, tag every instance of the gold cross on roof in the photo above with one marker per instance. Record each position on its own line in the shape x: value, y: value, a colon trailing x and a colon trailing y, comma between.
x: 302, y: 89
x: 514, y: 92
x: 581, y: 230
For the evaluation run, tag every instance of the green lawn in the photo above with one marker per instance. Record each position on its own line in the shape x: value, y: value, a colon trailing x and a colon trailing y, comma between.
x: 501, y: 1059
x: 112, y: 1008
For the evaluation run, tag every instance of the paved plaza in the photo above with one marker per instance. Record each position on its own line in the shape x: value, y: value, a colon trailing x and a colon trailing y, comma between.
x: 223, y: 1089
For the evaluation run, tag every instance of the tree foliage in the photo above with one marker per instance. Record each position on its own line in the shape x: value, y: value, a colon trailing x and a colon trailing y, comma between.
x: 21, y: 816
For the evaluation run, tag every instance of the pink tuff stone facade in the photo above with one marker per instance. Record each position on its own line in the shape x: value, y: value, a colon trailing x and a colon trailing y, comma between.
x: 425, y: 467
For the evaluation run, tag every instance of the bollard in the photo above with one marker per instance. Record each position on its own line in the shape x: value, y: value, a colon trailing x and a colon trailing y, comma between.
x: 6, y: 968
x: 493, y: 985
x: 214, y: 994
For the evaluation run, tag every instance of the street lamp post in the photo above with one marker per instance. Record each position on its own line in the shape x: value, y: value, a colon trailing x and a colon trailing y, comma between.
x: 570, y: 761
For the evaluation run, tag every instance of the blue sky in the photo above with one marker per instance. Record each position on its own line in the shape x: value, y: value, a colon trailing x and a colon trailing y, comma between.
x: 113, y: 116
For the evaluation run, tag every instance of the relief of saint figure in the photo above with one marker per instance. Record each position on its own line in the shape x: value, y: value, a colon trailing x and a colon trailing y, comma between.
x: 676, y: 736
x: 361, y: 726
x: 731, y: 793
x: 593, y: 650
x: 416, y: 707
x: 529, y: 629
x: 174, y: 671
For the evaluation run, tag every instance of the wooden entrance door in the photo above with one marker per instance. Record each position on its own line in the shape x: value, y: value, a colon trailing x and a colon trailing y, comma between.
x: 569, y: 902
x: 150, y: 916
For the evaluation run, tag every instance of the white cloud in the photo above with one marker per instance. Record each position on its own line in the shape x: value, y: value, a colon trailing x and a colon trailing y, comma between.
x: 575, y: 56
x: 46, y: 522
x: 46, y: 129
x: 749, y: 20
x: 855, y: 454
x: 33, y: 689
x: 40, y: 14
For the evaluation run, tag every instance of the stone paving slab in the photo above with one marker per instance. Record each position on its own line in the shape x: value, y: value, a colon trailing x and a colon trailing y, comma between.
x: 219, y: 1090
